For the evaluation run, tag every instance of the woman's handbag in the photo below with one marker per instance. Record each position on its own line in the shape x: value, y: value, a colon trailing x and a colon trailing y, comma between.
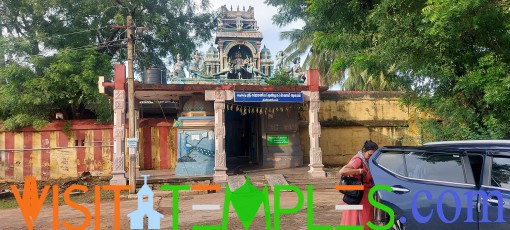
x: 351, y: 196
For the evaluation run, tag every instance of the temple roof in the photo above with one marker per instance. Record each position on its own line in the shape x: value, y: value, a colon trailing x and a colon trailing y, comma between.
x: 265, y: 52
x: 212, y: 53
x: 254, y: 35
x: 237, y: 24
x: 226, y: 13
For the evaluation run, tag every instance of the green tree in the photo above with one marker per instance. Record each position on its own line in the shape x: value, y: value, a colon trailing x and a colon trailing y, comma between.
x: 53, y: 51
x: 362, y: 81
x: 451, y: 57
x: 68, y: 85
x: 301, y: 40
x: 281, y: 77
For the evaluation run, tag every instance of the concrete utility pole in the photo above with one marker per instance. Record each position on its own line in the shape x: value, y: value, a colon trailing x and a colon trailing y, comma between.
x: 131, y: 105
x: 132, y: 141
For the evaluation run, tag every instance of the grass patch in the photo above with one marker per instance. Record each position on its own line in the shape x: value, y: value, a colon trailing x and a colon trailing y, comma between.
x: 8, y: 203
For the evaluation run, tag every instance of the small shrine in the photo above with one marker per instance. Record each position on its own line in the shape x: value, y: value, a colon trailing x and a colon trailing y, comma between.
x: 195, y: 136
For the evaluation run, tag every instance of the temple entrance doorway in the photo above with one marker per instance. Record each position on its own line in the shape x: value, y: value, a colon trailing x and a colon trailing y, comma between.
x: 243, y: 139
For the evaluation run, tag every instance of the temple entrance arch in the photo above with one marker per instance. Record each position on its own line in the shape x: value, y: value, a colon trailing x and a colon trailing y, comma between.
x: 236, y: 44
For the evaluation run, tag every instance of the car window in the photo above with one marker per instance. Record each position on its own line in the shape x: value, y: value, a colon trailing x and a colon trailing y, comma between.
x: 500, y: 173
x: 393, y: 161
x: 438, y: 167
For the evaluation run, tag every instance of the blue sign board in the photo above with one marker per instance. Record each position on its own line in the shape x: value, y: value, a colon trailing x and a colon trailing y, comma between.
x: 267, y: 97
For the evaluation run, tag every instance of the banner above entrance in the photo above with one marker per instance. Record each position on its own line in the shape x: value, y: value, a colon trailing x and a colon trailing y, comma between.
x: 268, y: 97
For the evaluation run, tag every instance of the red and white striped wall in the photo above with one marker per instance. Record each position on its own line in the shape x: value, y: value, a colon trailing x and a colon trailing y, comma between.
x: 52, y: 153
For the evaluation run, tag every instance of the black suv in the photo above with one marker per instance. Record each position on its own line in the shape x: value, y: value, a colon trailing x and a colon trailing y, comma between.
x: 445, y: 185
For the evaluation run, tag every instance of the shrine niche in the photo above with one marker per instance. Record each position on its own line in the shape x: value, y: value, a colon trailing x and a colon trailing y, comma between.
x: 240, y: 62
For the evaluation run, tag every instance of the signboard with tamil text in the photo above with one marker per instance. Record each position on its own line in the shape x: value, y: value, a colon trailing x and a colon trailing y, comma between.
x: 268, y: 97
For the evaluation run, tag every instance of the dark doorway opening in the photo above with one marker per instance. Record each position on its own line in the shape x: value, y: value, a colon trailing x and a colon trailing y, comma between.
x: 242, y: 138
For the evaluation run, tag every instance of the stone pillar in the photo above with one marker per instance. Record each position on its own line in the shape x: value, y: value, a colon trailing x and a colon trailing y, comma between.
x: 314, y: 130
x: 119, y: 119
x: 220, y: 156
x: 314, y: 127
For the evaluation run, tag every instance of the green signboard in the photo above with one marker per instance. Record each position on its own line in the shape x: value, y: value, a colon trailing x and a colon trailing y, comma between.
x: 278, y: 140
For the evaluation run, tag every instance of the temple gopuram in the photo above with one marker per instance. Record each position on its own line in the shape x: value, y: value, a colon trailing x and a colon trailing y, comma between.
x: 223, y: 112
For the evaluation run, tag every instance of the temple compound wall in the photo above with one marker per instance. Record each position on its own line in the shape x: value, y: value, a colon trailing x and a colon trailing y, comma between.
x: 348, y: 118
x: 66, y: 149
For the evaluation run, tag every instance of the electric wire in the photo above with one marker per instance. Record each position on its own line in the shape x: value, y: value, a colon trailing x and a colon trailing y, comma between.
x: 5, y: 46
x: 62, y: 35
x: 77, y: 32
x: 87, y: 47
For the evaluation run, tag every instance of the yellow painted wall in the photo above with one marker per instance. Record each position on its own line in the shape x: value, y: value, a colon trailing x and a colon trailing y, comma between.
x: 36, y: 155
x: 363, y: 109
x: 107, y: 152
x: 350, y: 118
x: 18, y: 156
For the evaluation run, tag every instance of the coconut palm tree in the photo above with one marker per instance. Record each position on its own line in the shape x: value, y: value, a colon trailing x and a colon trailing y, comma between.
x: 360, y: 80
x: 301, y: 44
x: 354, y: 78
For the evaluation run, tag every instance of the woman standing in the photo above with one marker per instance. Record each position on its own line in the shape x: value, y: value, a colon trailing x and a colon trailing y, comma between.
x: 356, y: 167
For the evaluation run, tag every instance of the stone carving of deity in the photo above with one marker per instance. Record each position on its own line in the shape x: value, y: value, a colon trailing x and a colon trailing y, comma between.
x: 239, y: 23
x: 297, y: 71
x: 249, y: 65
x: 179, y: 67
x: 279, y: 59
x: 246, y: 61
x: 253, y: 63
x: 197, y: 59
x: 220, y: 25
x: 202, y: 68
x: 239, y: 60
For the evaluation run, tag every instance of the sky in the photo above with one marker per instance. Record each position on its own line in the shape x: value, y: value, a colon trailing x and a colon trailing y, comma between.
x: 263, y: 15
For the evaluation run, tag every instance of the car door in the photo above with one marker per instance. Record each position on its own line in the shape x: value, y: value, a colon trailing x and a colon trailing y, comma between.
x: 428, y: 188
x: 495, y: 210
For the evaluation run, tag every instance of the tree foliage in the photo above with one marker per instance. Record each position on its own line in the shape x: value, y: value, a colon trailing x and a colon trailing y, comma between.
x: 301, y: 39
x: 281, y: 77
x: 363, y: 81
x: 68, y: 84
x: 52, y: 52
x: 451, y: 57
